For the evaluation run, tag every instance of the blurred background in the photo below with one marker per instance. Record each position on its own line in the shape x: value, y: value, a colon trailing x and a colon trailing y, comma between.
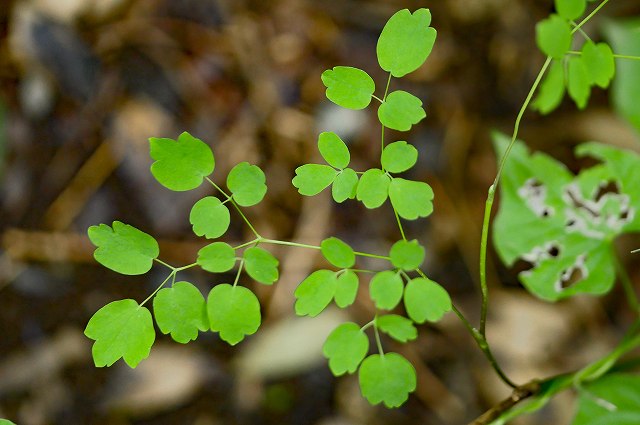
x: 85, y: 83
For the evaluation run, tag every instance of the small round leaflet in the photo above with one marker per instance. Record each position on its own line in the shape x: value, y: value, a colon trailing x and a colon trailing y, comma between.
x: 123, y: 248
x: 181, y: 311
x: 398, y: 157
x: 411, y: 199
x: 247, y: 184
x: 181, y: 164
x: 218, y: 257
x: 385, y: 289
x: 346, y: 289
x: 579, y: 81
x: 333, y: 150
x: 553, y: 36
x: 600, y: 63
x: 261, y: 265
x: 387, y: 378
x: 234, y: 311
x: 400, y: 111
x: 397, y: 327
x: 348, y: 87
x: 407, y: 255
x: 209, y: 217
x: 345, y: 347
x: 315, y: 293
x: 373, y: 188
x: 344, y: 185
x: 426, y: 300
x: 551, y: 89
x: 338, y: 253
x: 570, y: 9
x: 312, y: 179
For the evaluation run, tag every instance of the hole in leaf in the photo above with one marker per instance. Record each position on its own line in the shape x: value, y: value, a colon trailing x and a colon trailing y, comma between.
x: 554, y: 251
x: 534, y: 193
x: 573, y: 275
x: 610, y: 187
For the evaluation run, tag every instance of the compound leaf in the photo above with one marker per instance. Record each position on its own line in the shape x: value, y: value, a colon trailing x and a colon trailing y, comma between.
x: 338, y: 253
x: 385, y: 289
x: 181, y: 164
x: 333, y: 150
x: 551, y: 90
x: 344, y: 185
x: 345, y: 347
x: 312, y: 179
x: 401, y: 110
x: 261, y: 265
x: 553, y: 36
x: 218, y: 257
x: 121, y: 329
x: 579, y: 81
x: 348, y: 87
x: 315, y: 293
x: 373, y: 188
x: 411, y: 199
x: 399, y: 156
x: 247, y: 184
x: 570, y: 9
x: 599, y: 62
x: 181, y: 311
x: 612, y: 399
x: 209, y: 217
x: 407, y: 255
x: 397, y: 327
x: 123, y: 248
x: 346, y: 289
x: 405, y: 42
x: 426, y: 300
x: 387, y: 378
x: 234, y: 311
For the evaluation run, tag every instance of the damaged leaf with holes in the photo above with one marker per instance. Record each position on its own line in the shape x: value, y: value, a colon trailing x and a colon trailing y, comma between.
x: 563, y: 225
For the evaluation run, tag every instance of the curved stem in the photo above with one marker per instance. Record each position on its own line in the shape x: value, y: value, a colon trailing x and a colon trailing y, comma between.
x: 236, y: 206
x: 171, y: 275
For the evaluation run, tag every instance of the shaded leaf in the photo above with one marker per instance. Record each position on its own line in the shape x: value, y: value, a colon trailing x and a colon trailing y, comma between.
x: 234, y: 311
x: 426, y: 300
x: 612, y: 399
x: 209, y: 217
x: 551, y: 89
x: 401, y: 110
x: 387, y: 379
x: 247, y: 184
x: 579, y: 82
x: 181, y: 311
x: 312, y: 179
x: 345, y: 347
x: 553, y: 36
x: 570, y: 9
x: 599, y: 62
x: 348, y: 87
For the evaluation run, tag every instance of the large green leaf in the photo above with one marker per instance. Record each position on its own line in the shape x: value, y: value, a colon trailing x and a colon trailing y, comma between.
x: 611, y: 400
x: 401, y: 110
x: 181, y: 164
x: 387, y: 378
x: 312, y: 179
x: 315, y: 293
x: 333, y: 150
x: 373, y: 188
x: 209, y: 217
x: 405, y: 42
x: 121, y: 329
x: 345, y: 347
x: 386, y: 289
x: 411, y: 199
x: 261, y: 265
x: 123, y: 248
x: 247, y: 184
x: 181, y: 311
x: 218, y: 257
x: 553, y: 36
x: 564, y: 227
x: 338, y: 253
x: 426, y: 300
x: 348, y: 87
x: 234, y: 311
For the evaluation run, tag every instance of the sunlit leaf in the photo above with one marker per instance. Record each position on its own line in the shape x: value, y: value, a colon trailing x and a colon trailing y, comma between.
x: 553, y: 36
x: 599, y: 62
x: 121, y: 329
x: 181, y: 311
x: 181, y: 164
x: 345, y: 347
x: 247, y: 184
x: 123, y: 248
x: 338, y: 253
x: 407, y: 255
x: 397, y: 327
x: 373, y: 188
x: 611, y: 400
x: 551, y: 89
x: 346, y: 289
x: 579, y: 81
x: 570, y: 9
x: 401, y: 110
x: 411, y: 199
x: 261, y: 265
x: 234, y: 311
x: 218, y: 257
x: 399, y: 156
x: 333, y: 150
x: 209, y: 217
x: 387, y: 379
x: 348, y: 87
x: 385, y: 289
x: 312, y: 179
x: 426, y: 300
x: 344, y: 185
x: 315, y: 293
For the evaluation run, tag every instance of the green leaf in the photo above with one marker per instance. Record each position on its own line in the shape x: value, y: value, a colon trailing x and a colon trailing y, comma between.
x: 624, y: 36
x: 387, y: 378
x: 345, y: 347
x: 373, y: 188
x: 181, y: 311
x: 344, y: 185
x: 397, y: 327
x: 234, y: 311
x: 401, y: 110
x: 385, y: 289
x: 551, y: 89
x: 209, y: 217
x: 218, y: 257
x: 570, y: 9
x: 398, y: 157
x: 411, y: 199
x: 6, y: 422
x: 426, y: 300
x: 181, y: 164
x: 612, y: 399
x: 346, y: 288
x: 579, y: 82
x: 315, y: 293
x: 121, y: 329
x: 553, y: 36
x: 348, y: 87
x: 333, y: 150
x: 123, y: 248
x: 599, y: 62
x: 247, y: 184
x: 407, y: 255
x: 338, y: 253
x: 405, y: 42
x: 261, y: 265
x: 312, y: 179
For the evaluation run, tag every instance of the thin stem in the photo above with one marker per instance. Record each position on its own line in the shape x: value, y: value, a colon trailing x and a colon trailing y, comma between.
x: 637, y: 58
x: 589, y: 16
x: 378, y: 343
x: 399, y: 224
x: 366, y: 254
x: 384, y: 98
x: 236, y: 206
x: 188, y: 266
x: 377, y: 98
x: 581, y: 31
x: 287, y: 243
x: 159, y: 261
x: 235, y: 282
x: 368, y: 325
x: 484, y: 289
x: 630, y: 293
x: 256, y: 240
x: 172, y: 274
x: 362, y: 271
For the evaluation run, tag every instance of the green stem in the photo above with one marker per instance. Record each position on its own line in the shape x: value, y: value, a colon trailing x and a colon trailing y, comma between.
x: 235, y: 281
x: 287, y: 243
x: 172, y: 274
x: 256, y: 240
x: 484, y: 289
x: 637, y: 58
x: 159, y: 261
x: 399, y: 224
x: 589, y: 16
x: 377, y: 334
x: 236, y: 206
x: 581, y: 31
x: 629, y: 291
x: 384, y: 98
x: 188, y: 266
x: 377, y: 98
